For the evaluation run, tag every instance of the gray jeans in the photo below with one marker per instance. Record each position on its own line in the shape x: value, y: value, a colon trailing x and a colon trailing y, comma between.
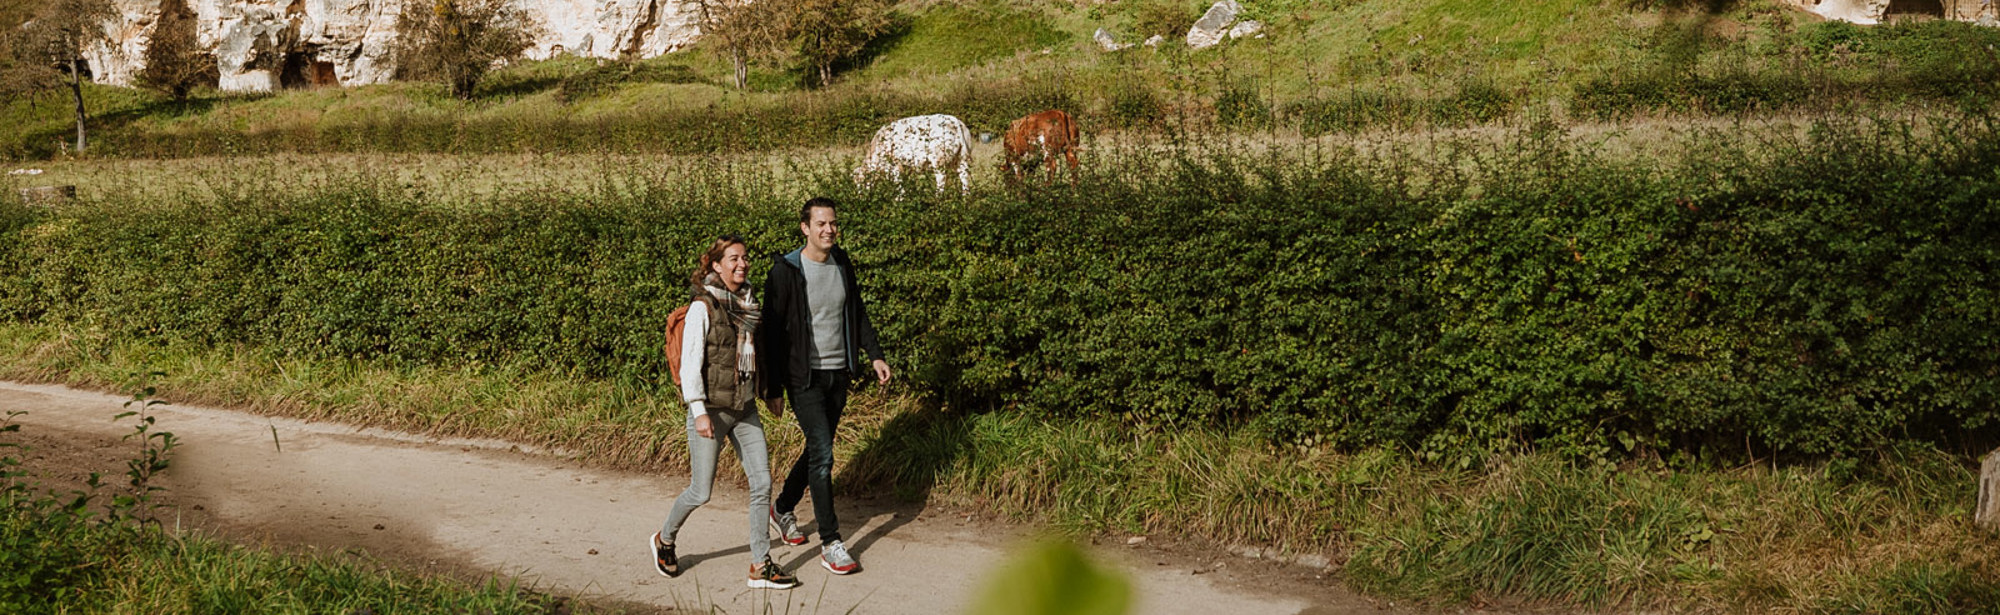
x: 745, y: 431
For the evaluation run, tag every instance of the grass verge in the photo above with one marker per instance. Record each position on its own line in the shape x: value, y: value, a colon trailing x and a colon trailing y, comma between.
x: 1889, y: 533
x: 99, y: 550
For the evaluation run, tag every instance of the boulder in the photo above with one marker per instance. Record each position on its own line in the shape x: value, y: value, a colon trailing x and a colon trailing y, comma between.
x: 1246, y: 28
x: 1155, y: 41
x: 1105, y: 41
x: 1213, y: 25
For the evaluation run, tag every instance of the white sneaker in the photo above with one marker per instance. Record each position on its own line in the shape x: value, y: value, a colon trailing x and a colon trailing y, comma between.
x: 834, y: 557
x: 788, y: 527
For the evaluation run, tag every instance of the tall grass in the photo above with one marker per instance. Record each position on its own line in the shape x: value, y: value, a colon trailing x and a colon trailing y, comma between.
x: 1495, y: 301
x: 1885, y: 533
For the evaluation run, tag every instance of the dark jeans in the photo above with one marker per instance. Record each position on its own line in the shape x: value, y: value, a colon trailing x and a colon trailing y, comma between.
x: 817, y: 408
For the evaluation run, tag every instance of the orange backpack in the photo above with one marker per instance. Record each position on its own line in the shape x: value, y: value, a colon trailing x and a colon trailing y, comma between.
x: 676, y: 323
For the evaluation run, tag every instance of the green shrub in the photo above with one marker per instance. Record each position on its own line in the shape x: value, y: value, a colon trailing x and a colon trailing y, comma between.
x: 1476, y: 102
x: 1241, y: 105
x: 49, y: 544
x: 1352, y: 111
x: 1816, y: 294
x: 1134, y: 105
x: 600, y: 80
x: 1168, y: 18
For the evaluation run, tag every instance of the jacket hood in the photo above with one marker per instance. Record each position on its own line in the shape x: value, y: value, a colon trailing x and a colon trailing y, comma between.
x: 796, y: 258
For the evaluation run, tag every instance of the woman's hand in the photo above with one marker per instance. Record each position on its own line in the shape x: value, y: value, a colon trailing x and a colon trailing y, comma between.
x: 704, y: 427
x: 776, y: 405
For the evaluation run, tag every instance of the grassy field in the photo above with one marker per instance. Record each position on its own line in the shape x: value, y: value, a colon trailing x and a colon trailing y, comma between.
x: 1324, y: 67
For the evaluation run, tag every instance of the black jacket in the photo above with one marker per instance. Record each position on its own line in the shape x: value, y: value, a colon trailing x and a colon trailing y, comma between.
x: 784, y: 336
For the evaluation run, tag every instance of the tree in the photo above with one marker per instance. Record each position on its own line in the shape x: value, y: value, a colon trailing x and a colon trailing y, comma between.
x: 47, y: 52
x: 459, y: 40
x: 175, y: 61
x: 742, y: 30
x: 825, y: 32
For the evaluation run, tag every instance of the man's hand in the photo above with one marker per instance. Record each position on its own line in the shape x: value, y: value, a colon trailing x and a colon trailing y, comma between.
x: 882, y: 373
x: 776, y: 405
x: 704, y: 427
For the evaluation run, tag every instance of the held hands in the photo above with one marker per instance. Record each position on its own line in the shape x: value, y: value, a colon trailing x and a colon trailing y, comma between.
x: 776, y: 406
x: 704, y: 427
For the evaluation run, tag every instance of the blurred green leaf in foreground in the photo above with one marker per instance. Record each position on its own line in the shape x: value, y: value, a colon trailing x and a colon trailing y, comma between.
x: 1054, y: 578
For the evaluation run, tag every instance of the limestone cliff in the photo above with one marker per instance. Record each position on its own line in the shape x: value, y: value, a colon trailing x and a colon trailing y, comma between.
x: 263, y: 45
x: 1878, y: 11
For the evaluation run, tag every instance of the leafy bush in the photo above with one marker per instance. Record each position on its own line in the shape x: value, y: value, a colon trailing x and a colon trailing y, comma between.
x: 1241, y: 105
x: 1168, y: 18
x: 1134, y: 105
x: 1351, y: 111
x: 47, y: 542
x: 1818, y: 294
x: 602, y: 79
x: 1476, y: 102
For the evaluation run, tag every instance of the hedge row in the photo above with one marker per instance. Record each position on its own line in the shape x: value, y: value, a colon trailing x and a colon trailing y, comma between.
x: 1817, y: 295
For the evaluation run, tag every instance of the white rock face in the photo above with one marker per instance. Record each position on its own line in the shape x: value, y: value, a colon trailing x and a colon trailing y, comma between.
x: 1246, y: 28
x: 1214, y: 25
x: 1105, y: 41
x: 1868, y: 12
x: 1856, y: 11
x: 262, y: 45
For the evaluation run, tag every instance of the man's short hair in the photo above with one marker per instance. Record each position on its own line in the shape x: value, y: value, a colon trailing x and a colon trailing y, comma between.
x: 806, y: 211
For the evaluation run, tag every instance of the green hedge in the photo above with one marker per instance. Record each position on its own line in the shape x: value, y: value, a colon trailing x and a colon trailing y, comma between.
x: 1817, y: 294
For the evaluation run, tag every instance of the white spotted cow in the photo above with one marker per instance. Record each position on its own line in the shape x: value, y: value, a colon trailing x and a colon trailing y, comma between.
x: 935, y: 142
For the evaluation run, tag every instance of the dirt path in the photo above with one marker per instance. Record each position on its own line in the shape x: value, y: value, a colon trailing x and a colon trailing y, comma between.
x: 488, y: 507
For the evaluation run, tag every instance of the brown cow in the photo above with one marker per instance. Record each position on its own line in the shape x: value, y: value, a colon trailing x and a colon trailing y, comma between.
x: 1047, y: 133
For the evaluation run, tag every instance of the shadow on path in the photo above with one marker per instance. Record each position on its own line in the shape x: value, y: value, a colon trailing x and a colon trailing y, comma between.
x: 887, y: 484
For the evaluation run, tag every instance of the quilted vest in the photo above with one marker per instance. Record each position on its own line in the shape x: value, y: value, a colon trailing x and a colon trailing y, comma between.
x: 727, y: 388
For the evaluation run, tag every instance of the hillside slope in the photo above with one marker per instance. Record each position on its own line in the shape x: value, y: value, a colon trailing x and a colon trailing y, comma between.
x: 1319, y: 66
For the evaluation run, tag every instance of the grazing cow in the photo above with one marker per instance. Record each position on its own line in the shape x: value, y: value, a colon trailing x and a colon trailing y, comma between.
x: 935, y: 142
x: 1044, y: 134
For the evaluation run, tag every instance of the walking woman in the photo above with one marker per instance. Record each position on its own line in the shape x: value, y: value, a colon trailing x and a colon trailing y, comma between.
x: 718, y: 377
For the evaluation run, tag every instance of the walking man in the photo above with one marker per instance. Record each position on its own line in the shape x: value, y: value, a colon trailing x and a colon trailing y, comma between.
x: 809, y: 346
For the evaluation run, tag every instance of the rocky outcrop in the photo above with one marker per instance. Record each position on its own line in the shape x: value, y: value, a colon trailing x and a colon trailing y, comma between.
x: 1213, y: 26
x: 1877, y: 11
x: 1248, y: 27
x: 1106, y: 42
x: 263, y: 45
